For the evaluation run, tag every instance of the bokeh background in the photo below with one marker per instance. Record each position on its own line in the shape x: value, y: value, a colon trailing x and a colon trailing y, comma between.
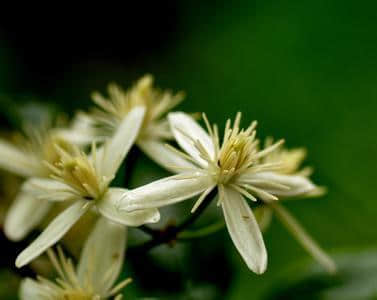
x: 306, y: 70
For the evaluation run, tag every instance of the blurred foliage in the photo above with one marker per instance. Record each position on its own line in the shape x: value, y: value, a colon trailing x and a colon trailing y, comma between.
x: 306, y: 70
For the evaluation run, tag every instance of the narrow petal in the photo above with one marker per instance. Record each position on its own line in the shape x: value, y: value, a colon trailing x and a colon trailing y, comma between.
x: 165, y: 191
x: 53, y: 232
x: 244, y: 231
x: 304, y: 238
x: 17, y: 162
x: 164, y: 156
x: 102, y: 256
x: 30, y: 290
x: 120, y: 143
x: 108, y: 207
x: 292, y: 185
x: 25, y: 214
x: 48, y: 189
x: 186, y: 130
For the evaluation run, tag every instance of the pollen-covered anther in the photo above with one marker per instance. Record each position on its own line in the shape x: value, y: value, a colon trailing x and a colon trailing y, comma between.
x: 112, y: 110
x: 238, y: 151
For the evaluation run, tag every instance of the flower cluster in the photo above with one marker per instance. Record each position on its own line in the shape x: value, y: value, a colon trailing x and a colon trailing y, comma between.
x: 74, y: 166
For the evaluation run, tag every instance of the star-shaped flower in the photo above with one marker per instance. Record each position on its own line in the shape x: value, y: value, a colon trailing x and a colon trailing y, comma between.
x: 233, y: 167
x: 84, y: 180
x: 99, y: 266
x: 100, y: 123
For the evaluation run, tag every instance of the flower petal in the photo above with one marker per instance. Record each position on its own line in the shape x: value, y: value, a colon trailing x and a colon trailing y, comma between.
x: 18, y: 162
x: 48, y: 189
x: 164, y: 156
x: 103, y: 255
x: 30, y: 290
x: 117, y: 147
x: 25, y: 214
x: 165, y: 191
x: 295, y: 185
x: 244, y: 231
x: 53, y: 232
x: 186, y: 130
x: 108, y: 207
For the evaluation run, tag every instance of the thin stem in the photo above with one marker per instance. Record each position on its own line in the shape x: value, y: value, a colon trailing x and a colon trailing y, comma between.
x: 303, y: 237
x: 170, y: 234
x: 202, y: 232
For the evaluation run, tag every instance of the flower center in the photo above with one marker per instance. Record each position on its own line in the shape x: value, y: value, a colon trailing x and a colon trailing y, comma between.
x: 79, y: 172
x: 111, y: 111
x: 75, y: 295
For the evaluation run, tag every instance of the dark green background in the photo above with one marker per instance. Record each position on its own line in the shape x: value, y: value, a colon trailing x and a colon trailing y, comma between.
x: 306, y: 70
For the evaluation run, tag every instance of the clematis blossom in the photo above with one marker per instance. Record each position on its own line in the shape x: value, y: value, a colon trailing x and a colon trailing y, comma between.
x: 83, y: 180
x: 234, y: 168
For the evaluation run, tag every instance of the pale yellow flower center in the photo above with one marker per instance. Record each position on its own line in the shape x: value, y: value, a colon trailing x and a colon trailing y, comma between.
x: 80, y: 172
x: 111, y: 111
x: 69, y: 286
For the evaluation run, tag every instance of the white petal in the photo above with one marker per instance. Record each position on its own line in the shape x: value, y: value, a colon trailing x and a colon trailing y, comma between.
x: 53, y: 232
x: 296, y: 185
x: 48, y: 189
x: 304, y: 238
x: 166, y: 191
x: 25, y: 214
x: 181, y: 122
x: 108, y: 207
x: 102, y: 256
x: 244, y: 231
x: 30, y: 290
x: 120, y: 143
x: 18, y: 162
x: 164, y: 156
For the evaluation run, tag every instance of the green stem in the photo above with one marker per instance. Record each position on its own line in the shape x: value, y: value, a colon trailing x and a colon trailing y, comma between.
x: 303, y: 237
x: 202, y: 232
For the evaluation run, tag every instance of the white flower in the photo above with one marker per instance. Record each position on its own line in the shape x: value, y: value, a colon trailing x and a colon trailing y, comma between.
x: 291, y: 160
x: 84, y: 180
x: 99, y: 266
x: 104, y: 119
x: 232, y: 166
x: 27, y: 160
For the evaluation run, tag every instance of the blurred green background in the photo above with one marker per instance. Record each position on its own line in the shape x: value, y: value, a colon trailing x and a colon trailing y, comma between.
x: 306, y: 70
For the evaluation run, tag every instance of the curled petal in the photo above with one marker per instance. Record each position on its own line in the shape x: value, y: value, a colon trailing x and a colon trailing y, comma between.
x: 108, y: 207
